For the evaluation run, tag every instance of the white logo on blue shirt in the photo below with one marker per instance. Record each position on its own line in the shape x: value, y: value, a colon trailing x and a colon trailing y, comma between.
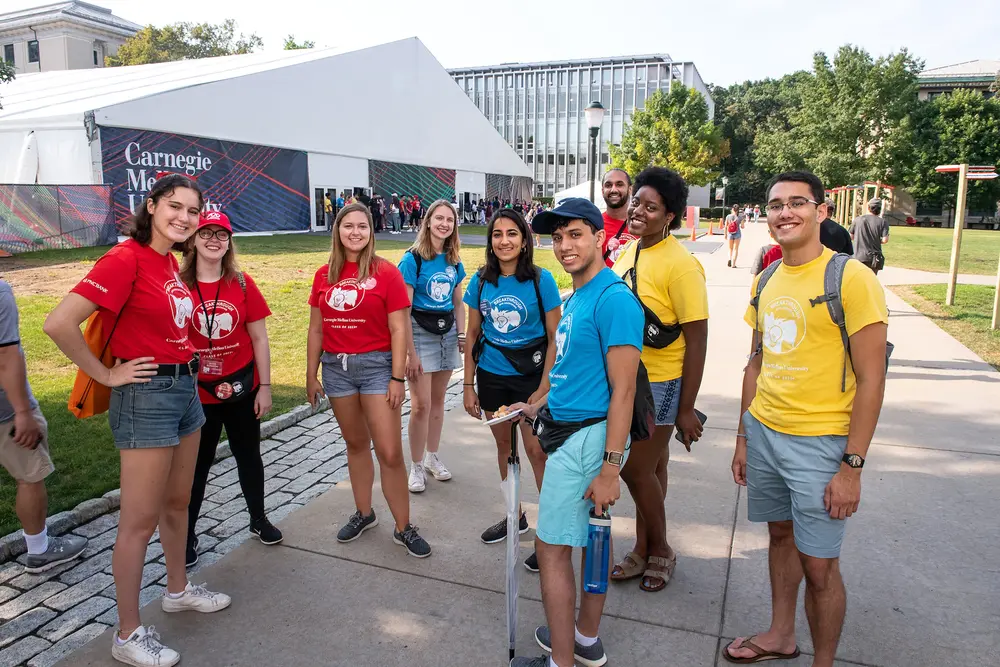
x: 563, y: 335
x: 439, y: 285
x: 506, y: 313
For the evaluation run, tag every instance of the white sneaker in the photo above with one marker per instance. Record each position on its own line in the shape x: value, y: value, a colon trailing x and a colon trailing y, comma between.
x: 196, y: 598
x: 417, y: 482
x: 143, y: 649
x: 433, y: 465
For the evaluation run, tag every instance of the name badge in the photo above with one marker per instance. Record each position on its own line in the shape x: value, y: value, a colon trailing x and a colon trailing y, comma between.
x: 210, y: 365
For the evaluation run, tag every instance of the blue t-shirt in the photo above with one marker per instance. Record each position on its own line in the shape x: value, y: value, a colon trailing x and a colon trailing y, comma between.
x: 432, y: 289
x: 580, y: 388
x: 510, y: 315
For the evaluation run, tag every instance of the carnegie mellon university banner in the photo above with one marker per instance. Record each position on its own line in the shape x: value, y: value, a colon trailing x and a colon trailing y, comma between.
x: 260, y: 188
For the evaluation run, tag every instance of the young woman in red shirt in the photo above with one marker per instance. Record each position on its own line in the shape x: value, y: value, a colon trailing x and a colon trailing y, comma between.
x: 155, y: 415
x: 358, y: 331
x: 234, y: 382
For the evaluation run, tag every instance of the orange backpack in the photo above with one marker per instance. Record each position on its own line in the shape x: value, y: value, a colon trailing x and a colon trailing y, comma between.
x: 90, y: 397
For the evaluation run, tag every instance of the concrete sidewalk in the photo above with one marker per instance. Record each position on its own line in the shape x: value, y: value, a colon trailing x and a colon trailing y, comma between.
x: 920, y: 558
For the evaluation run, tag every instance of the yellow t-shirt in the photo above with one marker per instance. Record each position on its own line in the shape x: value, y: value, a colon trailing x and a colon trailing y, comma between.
x: 671, y: 283
x: 798, y: 391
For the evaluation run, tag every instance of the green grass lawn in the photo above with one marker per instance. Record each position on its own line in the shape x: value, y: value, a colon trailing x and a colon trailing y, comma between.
x: 929, y: 249
x: 968, y: 320
x: 85, y: 458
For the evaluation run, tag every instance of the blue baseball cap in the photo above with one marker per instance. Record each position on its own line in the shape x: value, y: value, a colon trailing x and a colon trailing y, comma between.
x: 573, y: 208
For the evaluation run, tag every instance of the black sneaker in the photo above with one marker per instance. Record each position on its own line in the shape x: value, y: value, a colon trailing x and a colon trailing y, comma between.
x: 589, y: 656
x: 191, y: 554
x: 531, y: 562
x: 266, y: 532
x: 498, y: 531
x: 414, y: 544
x: 356, y: 525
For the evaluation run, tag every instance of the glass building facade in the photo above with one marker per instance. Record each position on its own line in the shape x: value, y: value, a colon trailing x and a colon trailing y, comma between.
x: 538, y: 107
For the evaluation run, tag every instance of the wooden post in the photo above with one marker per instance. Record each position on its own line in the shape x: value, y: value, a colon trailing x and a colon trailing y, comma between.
x: 840, y: 205
x: 956, y: 244
x: 995, y: 323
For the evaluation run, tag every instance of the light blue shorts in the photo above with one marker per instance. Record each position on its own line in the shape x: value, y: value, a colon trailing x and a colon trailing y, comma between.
x: 563, y: 514
x: 437, y: 353
x: 350, y: 374
x: 157, y: 413
x: 786, y: 479
x: 666, y: 400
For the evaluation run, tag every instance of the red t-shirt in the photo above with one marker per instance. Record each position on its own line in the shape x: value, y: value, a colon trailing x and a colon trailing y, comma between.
x: 231, y: 348
x: 612, y: 244
x: 155, y: 306
x: 771, y: 256
x: 356, y: 316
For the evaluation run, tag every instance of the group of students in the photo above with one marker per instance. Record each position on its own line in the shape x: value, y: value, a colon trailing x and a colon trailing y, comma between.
x: 192, y: 357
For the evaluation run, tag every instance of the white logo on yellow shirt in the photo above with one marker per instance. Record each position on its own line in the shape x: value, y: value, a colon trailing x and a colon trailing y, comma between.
x: 784, y: 325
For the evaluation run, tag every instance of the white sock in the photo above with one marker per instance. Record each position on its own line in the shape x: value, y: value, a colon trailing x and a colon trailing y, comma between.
x: 552, y: 663
x: 37, y: 544
x: 175, y: 596
x: 583, y: 640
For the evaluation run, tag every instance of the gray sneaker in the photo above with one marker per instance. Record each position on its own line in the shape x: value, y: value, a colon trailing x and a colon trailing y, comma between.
x: 588, y: 656
x: 540, y: 661
x: 61, y: 550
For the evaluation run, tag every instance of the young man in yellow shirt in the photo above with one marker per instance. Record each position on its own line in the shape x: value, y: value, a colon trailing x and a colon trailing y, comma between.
x: 809, y: 410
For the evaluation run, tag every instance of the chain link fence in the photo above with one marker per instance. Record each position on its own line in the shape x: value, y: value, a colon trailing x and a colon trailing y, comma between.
x: 38, y: 217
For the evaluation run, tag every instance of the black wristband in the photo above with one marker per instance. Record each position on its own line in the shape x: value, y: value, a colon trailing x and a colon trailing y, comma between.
x: 396, y: 379
x: 468, y: 384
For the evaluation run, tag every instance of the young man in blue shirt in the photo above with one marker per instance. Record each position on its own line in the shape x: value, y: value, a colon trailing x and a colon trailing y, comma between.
x: 584, y: 426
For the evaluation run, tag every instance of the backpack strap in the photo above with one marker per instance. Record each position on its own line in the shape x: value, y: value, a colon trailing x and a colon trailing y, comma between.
x: 765, y: 275
x: 538, y: 295
x: 618, y: 234
x: 242, y: 280
x: 833, y: 281
x: 419, y: 260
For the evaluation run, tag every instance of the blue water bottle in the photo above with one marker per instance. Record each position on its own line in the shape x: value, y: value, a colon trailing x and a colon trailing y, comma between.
x: 595, y: 569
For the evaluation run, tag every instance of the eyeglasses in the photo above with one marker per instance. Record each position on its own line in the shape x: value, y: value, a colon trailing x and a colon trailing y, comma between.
x: 221, y: 234
x: 796, y: 204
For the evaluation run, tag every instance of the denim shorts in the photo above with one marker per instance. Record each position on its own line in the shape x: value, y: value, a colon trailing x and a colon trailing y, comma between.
x: 563, y: 514
x: 437, y: 353
x: 666, y: 399
x: 157, y: 413
x: 350, y: 374
x: 786, y: 479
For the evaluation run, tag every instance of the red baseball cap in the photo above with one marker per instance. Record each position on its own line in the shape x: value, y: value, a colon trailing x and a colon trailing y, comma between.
x: 217, y: 218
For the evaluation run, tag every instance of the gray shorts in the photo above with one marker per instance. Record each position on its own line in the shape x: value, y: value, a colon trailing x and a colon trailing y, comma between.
x: 350, y: 374
x: 786, y: 479
x: 666, y: 400
x: 157, y: 413
x: 437, y: 353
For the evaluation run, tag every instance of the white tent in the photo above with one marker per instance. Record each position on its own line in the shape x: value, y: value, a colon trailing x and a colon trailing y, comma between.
x: 581, y: 190
x: 392, y: 102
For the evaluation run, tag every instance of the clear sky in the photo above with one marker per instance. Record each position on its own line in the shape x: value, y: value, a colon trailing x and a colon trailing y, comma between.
x: 728, y: 40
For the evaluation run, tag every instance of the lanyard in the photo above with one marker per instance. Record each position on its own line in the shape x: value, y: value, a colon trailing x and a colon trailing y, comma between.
x: 215, y: 307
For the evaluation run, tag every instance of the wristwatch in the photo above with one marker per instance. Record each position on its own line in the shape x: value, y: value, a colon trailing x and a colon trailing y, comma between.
x: 854, y: 460
x: 614, y: 458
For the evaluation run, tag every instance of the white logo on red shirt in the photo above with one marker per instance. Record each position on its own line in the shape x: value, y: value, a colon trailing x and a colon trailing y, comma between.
x: 617, y: 245
x: 181, y: 304
x: 224, y: 318
x: 348, y: 294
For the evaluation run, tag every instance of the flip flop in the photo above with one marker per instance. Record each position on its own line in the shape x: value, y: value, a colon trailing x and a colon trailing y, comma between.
x: 629, y: 571
x: 660, y: 577
x: 761, y: 654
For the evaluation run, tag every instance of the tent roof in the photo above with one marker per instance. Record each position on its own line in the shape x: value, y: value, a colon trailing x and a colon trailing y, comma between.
x: 581, y: 190
x: 393, y: 102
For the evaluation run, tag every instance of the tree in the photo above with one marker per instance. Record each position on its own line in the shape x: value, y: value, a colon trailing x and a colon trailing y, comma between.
x: 672, y: 131
x: 854, y: 119
x: 183, y: 41
x: 951, y: 129
x: 292, y: 45
x: 6, y: 73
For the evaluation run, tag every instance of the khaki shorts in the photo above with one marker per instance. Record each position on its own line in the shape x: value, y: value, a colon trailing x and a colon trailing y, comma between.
x: 26, y: 465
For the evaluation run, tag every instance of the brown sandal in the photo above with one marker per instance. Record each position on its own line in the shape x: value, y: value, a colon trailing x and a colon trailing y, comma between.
x: 632, y: 566
x: 760, y: 654
x: 658, y: 579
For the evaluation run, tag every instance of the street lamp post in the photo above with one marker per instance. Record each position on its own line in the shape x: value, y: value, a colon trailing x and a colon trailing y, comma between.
x: 595, y: 116
x: 725, y: 182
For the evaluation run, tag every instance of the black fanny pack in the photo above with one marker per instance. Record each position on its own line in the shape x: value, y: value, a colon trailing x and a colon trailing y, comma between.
x: 438, y: 322
x: 552, y: 434
x: 527, y: 360
x: 231, y: 388
x: 655, y: 334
